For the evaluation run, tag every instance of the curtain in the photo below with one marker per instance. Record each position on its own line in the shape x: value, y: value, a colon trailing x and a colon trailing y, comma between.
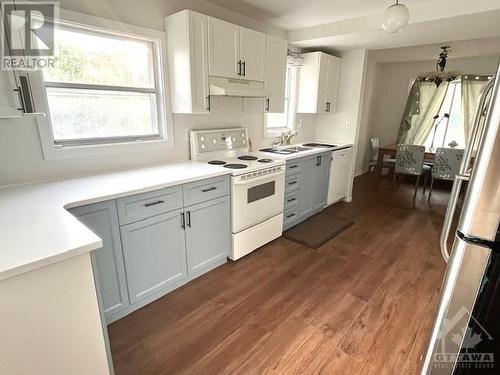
x: 424, y: 102
x: 472, y: 87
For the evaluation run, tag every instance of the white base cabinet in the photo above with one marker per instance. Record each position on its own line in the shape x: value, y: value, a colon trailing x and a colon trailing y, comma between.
x: 340, y: 172
x: 318, y: 83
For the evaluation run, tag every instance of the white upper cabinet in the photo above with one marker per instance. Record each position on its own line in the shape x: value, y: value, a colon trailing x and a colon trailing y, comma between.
x: 318, y: 83
x: 332, y: 86
x: 10, y: 102
x: 236, y: 52
x: 252, y: 54
x: 275, y: 74
x: 187, y: 39
x: 223, y: 49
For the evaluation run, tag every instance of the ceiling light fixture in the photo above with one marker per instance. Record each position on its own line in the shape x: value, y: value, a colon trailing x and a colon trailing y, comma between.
x: 396, y: 18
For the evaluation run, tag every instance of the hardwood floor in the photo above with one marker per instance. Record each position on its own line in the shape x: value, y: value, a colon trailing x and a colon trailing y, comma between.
x: 360, y: 304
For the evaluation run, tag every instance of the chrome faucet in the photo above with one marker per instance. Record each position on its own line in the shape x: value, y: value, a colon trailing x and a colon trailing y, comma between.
x: 286, y: 137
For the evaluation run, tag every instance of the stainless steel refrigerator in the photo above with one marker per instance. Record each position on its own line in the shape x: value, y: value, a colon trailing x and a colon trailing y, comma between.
x: 465, y: 336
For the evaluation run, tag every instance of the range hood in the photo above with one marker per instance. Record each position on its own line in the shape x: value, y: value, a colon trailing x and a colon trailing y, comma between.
x: 237, y: 87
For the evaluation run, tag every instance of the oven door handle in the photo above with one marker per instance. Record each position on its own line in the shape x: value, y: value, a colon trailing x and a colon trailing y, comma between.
x: 271, y: 176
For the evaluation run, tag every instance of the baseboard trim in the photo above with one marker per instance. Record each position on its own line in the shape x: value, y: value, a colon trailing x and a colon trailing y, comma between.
x: 359, y: 173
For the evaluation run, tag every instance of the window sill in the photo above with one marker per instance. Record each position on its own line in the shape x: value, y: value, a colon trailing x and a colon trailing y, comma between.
x: 53, y: 152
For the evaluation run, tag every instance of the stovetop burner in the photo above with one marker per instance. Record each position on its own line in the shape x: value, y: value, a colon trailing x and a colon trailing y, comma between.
x: 217, y: 162
x: 247, y: 157
x: 265, y: 160
x: 235, y: 166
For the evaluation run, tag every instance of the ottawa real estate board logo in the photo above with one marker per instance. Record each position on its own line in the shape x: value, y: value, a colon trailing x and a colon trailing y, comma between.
x: 28, y: 34
x: 461, y: 344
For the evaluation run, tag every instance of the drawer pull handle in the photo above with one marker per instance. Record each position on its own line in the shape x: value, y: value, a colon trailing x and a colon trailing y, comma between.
x: 209, y: 189
x: 293, y: 166
x: 154, y: 203
x: 291, y: 199
x: 292, y: 183
x: 290, y: 215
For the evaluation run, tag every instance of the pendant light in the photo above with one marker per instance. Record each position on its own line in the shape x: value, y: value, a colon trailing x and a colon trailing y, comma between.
x: 396, y: 18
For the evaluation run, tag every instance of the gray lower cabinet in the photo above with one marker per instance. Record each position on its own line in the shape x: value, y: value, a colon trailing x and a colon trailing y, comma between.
x: 102, y: 219
x: 154, y: 252
x: 306, y: 187
x: 157, y: 241
x: 208, y: 240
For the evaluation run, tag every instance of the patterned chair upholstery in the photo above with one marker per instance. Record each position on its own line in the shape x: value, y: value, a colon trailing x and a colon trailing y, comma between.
x: 410, y: 161
x: 446, y: 165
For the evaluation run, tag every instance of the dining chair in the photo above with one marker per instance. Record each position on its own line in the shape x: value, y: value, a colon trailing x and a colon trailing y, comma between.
x: 374, y: 150
x: 446, y: 165
x: 410, y: 162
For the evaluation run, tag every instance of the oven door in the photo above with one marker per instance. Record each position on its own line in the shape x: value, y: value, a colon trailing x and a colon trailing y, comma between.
x: 256, y: 200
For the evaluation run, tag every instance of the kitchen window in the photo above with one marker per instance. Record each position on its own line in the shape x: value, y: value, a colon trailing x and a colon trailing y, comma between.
x: 105, y: 90
x: 275, y: 123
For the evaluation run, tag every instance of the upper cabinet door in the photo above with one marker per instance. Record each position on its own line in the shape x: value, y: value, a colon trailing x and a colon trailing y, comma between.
x: 187, y: 52
x: 276, y: 73
x: 10, y: 103
x: 223, y: 48
x: 318, y: 83
x: 253, y: 54
x: 332, y: 83
x: 322, y: 105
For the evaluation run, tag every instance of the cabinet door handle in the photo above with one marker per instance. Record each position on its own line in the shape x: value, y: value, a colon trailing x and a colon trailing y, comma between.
x: 244, y: 68
x: 290, y: 215
x: 188, y: 219
x: 154, y: 203
x: 291, y: 199
x: 293, y: 166
x: 208, y: 102
x: 183, y: 221
x: 319, y: 160
x: 21, y: 100
x: 209, y: 189
x: 268, y: 105
x: 239, y: 67
x: 292, y: 183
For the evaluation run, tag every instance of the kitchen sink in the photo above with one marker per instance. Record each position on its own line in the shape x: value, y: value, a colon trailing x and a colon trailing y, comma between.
x: 319, y: 145
x: 285, y: 150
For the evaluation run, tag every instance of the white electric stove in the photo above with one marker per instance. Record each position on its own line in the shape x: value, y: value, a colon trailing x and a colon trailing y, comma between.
x: 257, y: 186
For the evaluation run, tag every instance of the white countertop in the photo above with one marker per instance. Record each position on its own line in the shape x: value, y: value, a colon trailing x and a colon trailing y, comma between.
x: 36, y: 229
x: 312, y: 151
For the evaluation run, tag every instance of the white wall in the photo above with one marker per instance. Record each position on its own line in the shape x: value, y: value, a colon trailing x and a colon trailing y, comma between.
x: 21, y: 158
x: 387, y: 91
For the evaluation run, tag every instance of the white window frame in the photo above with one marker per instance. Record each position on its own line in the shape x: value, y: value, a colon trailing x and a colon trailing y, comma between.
x: 290, y: 109
x: 53, y: 150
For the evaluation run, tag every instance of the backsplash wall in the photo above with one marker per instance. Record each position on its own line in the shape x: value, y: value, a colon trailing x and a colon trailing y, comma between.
x: 21, y: 157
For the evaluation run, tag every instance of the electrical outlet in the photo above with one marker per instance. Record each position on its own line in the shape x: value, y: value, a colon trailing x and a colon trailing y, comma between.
x: 348, y: 124
x: 299, y: 124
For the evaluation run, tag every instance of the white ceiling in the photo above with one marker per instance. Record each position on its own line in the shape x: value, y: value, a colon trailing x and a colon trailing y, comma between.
x: 348, y: 24
x: 297, y: 14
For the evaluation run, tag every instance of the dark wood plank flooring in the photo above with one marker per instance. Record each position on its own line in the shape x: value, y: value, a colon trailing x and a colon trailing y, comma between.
x: 360, y: 304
